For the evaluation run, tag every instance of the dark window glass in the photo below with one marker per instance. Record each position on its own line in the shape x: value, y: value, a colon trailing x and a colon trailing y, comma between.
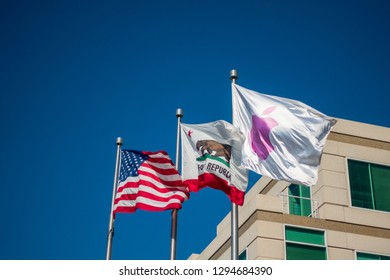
x: 370, y: 185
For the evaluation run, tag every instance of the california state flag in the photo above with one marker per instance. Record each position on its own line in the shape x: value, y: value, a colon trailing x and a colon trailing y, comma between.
x: 211, y: 157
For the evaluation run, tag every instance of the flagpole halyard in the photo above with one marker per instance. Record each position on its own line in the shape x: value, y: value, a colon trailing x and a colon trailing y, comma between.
x: 174, y: 215
x: 110, y: 235
x: 234, y: 211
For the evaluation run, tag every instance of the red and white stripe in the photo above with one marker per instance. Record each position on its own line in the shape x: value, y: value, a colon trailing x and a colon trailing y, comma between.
x: 158, y: 187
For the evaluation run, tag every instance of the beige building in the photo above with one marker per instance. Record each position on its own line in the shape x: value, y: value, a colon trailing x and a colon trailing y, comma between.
x: 345, y: 216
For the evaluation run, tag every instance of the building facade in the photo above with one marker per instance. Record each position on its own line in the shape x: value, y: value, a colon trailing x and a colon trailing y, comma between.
x: 345, y: 216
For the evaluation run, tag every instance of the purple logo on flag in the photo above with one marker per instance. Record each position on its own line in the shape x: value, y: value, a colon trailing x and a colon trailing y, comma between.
x: 260, y: 131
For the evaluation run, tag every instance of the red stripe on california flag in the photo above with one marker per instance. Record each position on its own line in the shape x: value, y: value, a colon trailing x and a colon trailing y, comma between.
x: 215, y: 182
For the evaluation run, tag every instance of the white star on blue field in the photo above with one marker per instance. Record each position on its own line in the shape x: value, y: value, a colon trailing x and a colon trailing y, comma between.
x: 75, y: 75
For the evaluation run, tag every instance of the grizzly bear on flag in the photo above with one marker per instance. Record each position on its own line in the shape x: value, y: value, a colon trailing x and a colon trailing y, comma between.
x: 214, y: 148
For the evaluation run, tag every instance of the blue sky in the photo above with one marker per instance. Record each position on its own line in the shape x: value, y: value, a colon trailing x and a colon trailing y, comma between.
x: 74, y: 75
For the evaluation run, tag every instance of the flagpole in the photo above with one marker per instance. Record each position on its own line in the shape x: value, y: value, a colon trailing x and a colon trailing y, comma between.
x: 110, y: 235
x: 179, y: 115
x: 234, y: 211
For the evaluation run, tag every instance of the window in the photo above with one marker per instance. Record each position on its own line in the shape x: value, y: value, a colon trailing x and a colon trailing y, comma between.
x: 370, y: 185
x: 367, y: 256
x: 242, y: 256
x: 304, y: 244
x: 299, y: 200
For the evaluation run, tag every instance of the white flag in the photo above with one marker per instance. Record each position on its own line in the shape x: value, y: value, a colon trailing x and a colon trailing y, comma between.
x: 211, y: 156
x: 284, y: 137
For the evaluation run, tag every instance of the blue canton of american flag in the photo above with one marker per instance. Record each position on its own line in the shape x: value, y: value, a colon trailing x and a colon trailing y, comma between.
x: 148, y: 181
x: 130, y: 162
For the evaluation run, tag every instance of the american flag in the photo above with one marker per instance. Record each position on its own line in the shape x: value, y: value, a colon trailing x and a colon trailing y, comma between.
x: 148, y: 181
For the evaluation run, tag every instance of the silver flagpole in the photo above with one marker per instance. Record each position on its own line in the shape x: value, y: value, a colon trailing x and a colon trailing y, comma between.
x: 234, y: 212
x: 110, y: 236
x: 179, y: 115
